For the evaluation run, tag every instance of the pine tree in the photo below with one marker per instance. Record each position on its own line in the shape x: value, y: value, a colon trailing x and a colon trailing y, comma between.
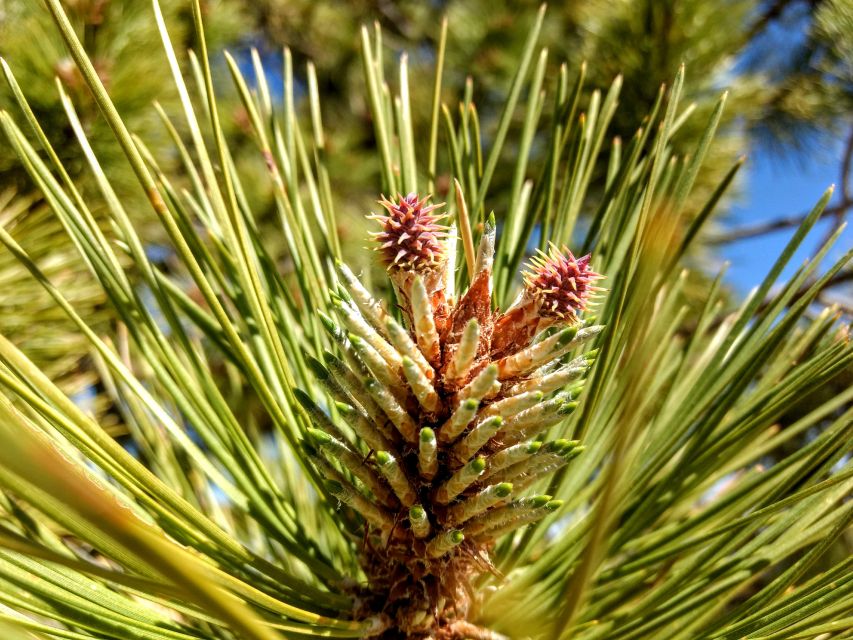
x: 478, y: 455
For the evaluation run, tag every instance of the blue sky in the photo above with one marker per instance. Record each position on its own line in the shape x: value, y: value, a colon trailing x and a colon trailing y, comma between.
x: 777, y: 187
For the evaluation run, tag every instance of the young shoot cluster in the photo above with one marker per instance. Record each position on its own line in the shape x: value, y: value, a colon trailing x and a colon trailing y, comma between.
x: 438, y: 424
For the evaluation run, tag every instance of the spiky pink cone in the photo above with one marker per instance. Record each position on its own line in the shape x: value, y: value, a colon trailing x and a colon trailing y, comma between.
x: 561, y: 283
x: 557, y: 288
x: 411, y: 238
x: 412, y: 244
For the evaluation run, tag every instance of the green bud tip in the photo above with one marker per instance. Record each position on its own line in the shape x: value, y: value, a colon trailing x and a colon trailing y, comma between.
x: 345, y: 408
x: 383, y: 458
x: 557, y: 445
x: 538, y: 395
x: 470, y: 404
x: 495, y: 422
x: 541, y: 501
x: 534, y: 446
x: 503, y: 489
x: 327, y: 322
x: 427, y: 435
x: 354, y: 338
x: 569, y: 447
x: 591, y: 355
x: 566, y: 336
x: 408, y: 362
x: 320, y: 372
x: 567, y: 408
x: 492, y: 368
x: 417, y: 512
x: 320, y: 437
x: 589, y: 321
x: 478, y: 464
x: 574, y: 452
x: 343, y: 293
x: 456, y: 536
x: 554, y: 505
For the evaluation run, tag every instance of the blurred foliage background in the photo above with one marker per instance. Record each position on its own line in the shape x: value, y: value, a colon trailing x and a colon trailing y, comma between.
x: 788, y: 65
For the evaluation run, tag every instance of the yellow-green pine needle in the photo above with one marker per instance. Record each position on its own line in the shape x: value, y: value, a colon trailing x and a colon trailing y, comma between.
x: 424, y: 324
x: 398, y: 416
x: 427, y: 454
x: 551, y: 453
x: 350, y: 408
x: 462, y: 360
x: 370, y: 308
x: 551, y: 381
x: 502, y: 515
x: 359, y: 326
x: 349, y: 496
x: 392, y: 471
x: 521, y: 521
x: 535, y: 420
x: 356, y: 390
x: 510, y: 456
x: 354, y: 462
x: 317, y: 416
x: 484, y: 385
x: 458, y: 420
x: 461, y: 480
x: 420, y: 385
x: 363, y: 427
x: 549, y: 465
x: 477, y: 504
x: 509, y: 407
x: 466, y: 448
x: 405, y: 345
x: 536, y: 354
x: 444, y: 543
x: 540, y: 353
x: 534, y: 414
x: 387, y: 375
x: 419, y: 521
